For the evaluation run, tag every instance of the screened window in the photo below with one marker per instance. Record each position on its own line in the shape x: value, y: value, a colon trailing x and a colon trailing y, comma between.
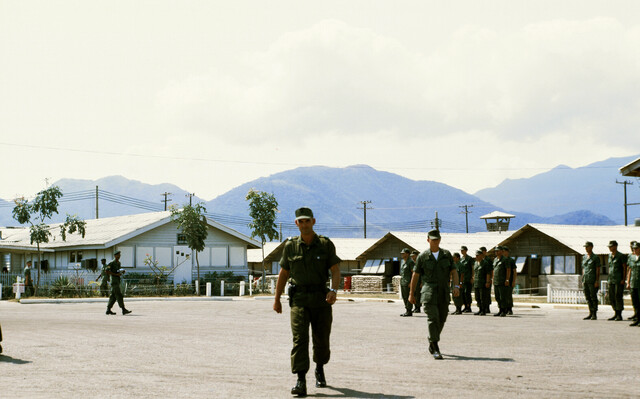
x: 558, y: 264
x: 545, y: 265
x: 75, y: 256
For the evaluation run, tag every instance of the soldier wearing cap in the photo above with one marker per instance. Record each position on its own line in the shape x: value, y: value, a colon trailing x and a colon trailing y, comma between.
x: 406, y: 269
x: 414, y: 256
x: 511, y: 264
x: 633, y: 281
x: 616, y: 282
x: 488, y: 265
x: 591, y: 280
x: 306, y: 262
x: 457, y: 300
x: 466, y: 274
x: 481, y: 275
x: 501, y: 275
x: 434, y: 268
x: 114, y: 271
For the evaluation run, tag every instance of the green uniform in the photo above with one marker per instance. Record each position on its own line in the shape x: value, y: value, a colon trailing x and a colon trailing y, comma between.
x: 590, y: 264
x: 116, y: 291
x: 488, y: 265
x: 480, y: 271
x: 511, y: 264
x: 616, y: 276
x: 499, y: 277
x: 633, y: 262
x: 308, y: 267
x: 406, y: 270
x: 466, y: 271
x: 28, y: 282
x: 435, y: 288
x: 457, y: 300
x: 104, y: 285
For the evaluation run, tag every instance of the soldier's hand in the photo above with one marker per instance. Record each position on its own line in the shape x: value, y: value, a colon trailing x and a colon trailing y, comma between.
x: 456, y: 291
x: 277, y: 306
x: 331, y: 297
x: 412, y: 299
x: 595, y: 285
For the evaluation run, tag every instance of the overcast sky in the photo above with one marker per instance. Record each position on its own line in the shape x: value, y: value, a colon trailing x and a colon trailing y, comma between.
x: 208, y: 95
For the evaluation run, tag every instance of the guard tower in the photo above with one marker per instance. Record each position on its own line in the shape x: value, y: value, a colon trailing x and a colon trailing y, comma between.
x: 497, y: 221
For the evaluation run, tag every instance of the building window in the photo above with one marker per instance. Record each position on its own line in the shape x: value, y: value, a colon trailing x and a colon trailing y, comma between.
x: 558, y: 265
x: 545, y: 265
x: 182, y: 239
x: 75, y: 256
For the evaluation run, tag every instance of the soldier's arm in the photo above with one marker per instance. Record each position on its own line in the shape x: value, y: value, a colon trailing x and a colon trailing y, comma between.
x: 456, y: 282
x: 415, y: 277
x: 335, y: 282
x: 282, y: 282
x: 508, y: 278
x: 597, y: 266
x: 624, y: 272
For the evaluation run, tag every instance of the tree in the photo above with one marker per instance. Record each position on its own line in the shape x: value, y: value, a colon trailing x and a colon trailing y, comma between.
x: 262, y: 209
x: 41, y: 209
x: 193, y: 222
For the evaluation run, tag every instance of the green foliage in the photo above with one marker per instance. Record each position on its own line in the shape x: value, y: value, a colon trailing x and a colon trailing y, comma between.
x: 193, y: 223
x: 73, y: 224
x: 262, y: 209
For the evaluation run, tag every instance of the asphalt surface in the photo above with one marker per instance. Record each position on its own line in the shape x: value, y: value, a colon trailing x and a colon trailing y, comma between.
x: 240, y: 349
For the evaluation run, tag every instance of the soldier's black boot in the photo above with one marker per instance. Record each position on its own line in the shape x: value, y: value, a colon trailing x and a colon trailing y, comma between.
x: 618, y: 315
x: 589, y: 317
x: 125, y: 311
x: 417, y: 309
x: 321, y: 381
x: 612, y: 318
x: 436, y: 352
x: 109, y: 312
x: 499, y: 313
x: 301, y: 386
x: 634, y: 317
x: 594, y: 317
x: 635, y: 323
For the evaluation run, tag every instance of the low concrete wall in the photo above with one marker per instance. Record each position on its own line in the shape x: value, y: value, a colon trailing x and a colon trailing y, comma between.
x: 362, y: 283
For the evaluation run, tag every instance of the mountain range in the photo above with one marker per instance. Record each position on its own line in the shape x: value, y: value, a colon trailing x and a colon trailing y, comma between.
x: 586, y: 195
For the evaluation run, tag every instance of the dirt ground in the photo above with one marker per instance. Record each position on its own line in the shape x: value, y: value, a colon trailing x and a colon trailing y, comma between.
x: 240, y: 349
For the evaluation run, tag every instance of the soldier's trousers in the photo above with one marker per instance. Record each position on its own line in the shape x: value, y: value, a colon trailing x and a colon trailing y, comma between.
x: 467, y: 288
x: 458, y: 301
x: 486, y: 298
x: 320, y: 320
x: 591, y: 296
x: 635, y: 300
x: 615, y: 296
x: 480, y: 299
x: 508, y: 297
x: 437, y: 311
x: 405, y: 290
x: 116, y: 295
x: 500, y: 292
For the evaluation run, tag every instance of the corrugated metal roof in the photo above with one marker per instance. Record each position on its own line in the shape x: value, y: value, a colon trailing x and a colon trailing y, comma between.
x: 453, y: 241
x: 574, y: 236
x: 107, y: 232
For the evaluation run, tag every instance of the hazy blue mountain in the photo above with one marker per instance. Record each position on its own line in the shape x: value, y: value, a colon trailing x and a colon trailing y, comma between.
x: 565, y: 190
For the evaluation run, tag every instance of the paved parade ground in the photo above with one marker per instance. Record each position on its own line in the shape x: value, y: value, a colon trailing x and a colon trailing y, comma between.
x: 240, y: 349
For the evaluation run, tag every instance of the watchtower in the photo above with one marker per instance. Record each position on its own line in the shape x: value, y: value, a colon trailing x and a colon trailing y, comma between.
x: 497, y: 221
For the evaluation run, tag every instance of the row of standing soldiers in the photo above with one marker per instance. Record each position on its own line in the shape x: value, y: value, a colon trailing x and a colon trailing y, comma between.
x: 476, y: 276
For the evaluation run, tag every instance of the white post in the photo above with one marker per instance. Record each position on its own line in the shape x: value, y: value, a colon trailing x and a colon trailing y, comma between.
x: 221, y: 287
x: 251, y: 285
x: 0, y: 291
x: 242, y: 288
x: 388, y: 287
x: 272, y: 287
x: 198, y: 287
x: 603, y: 291
x: 18, y: 287
x: 209, y: 289
x: 549, y: 294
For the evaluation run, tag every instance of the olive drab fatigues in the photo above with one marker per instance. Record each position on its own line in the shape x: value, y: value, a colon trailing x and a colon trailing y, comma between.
x: 511, y: 264
x: 406, y: 270
x: 480, y: 272
x: 616, y: 276
x: 104, y: 285
x: 435, y: 288
x: 308, y: 267
x: 590, y: 264
x: 499, y: 278
x: 466, y: 271
x: 116, y: 291
x: 457, y: 300
x: 28, y: 282
x: 488, y: 266
x: 633, y: 262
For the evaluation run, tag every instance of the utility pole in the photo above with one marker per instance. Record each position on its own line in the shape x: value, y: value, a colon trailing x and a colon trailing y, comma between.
x: 166, y: 199
x: 96, y: 202
x: 364, y: 207
x: 281, y: 232
x: 466, y: 214
x: 190, y: 195
x: 436, y: 223
x: 626, y: 182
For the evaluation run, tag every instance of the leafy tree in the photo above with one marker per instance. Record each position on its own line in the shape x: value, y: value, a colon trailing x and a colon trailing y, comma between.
x: 193, y: 222
x: 37, y: 212
x: 262, y: 209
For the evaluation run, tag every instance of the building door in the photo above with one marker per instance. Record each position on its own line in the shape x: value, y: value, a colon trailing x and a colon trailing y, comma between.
x: 183, y: 263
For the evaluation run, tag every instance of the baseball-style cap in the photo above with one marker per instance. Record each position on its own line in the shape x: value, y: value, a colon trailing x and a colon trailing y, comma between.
x: 498, y: 248
x: 405, y: 251
x: 434, y: 234
x: 464, y: 248
x: 588, y: 244
x: 483, y: 249
x: 304, y: 213
x: 635, y: 245
x: 478, y: 252
x: 415, y: 252
x: 505, y: 248
x: 116, y: 253
x: 613, y: 243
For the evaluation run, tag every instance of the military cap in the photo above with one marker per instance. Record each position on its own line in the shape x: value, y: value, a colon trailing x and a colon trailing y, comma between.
x: 304, y: 213
x: 405, y: 251
x: 117, y: 252
x: 498, y: 248
x: 456, y: 255
x: 588, y: 244
x: 464, y: 248
x: 633, y: 242
x: 505, y: 248
x: 613, y: 243
x: 434, y: 234
x: 635, y: 245
x: 478, y: 252
x: 415, y: 252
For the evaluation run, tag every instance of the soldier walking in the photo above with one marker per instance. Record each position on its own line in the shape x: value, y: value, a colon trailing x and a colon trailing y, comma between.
x: 434, y: 268
x: 617, y: 274
x: 115, y: 272
x: 104, y: 285
x: 306, y: 261
x: 414, y: 256
x: 591, y: 280
x: 406, y: 270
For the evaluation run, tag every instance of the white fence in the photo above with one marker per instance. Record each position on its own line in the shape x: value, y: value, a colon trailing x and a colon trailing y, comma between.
x: 573, y: 296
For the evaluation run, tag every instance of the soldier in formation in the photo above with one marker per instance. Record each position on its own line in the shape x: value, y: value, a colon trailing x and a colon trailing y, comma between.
x: 481, y: 284
x: 633, y: 281
x: 617, y: 274
x: 591, y: 280
x: 406, y: 270
x: 466, y: 275
x: 457, y: 300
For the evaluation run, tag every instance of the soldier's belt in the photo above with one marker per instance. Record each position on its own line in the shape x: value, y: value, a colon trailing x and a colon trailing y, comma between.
x: 311, y: 288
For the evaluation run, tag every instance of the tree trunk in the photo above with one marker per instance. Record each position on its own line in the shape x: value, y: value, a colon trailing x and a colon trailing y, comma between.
x: 264, y: 271
x: 35, y: 289
x: 198, y: 272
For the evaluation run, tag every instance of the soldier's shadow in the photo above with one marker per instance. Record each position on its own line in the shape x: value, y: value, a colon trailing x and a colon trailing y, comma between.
x: 483, y: 359
x: 9, y: 359
x: 352, y: 393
